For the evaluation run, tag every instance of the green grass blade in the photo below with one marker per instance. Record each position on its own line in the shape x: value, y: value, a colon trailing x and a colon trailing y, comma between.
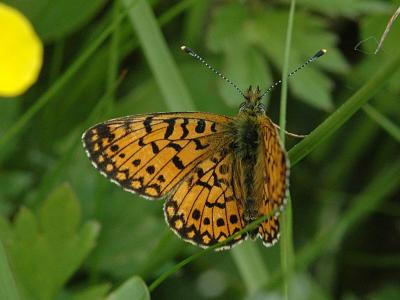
x: 248, y: 260
x: 344, y: 112
x: 175, y: 10
x: 8, y: 286
x: 159, y: 57
x: 195, y: 22
x: 285, y: 72
x: 113, y: 53
x: 286, y: 243
x: 384, y: 122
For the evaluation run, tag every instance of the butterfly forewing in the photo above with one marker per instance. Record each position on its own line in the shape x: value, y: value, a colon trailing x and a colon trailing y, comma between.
x: 150, y: 154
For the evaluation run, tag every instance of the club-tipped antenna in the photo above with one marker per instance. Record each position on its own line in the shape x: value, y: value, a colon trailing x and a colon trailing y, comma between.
x: 199, y: 58
x: 310, y: 60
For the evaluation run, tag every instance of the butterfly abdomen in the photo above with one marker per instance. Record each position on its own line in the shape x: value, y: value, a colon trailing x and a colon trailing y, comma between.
x: 248, y: 140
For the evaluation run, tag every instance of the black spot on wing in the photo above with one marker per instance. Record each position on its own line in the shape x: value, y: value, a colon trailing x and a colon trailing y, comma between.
x: 150, y: 170
x: 213, y: 127
x: 233, y: 219
x: 204, y: 184
x: 154, y: 147
x: 199, y: 145
x: 141, y: 143
x: 217, y: 204
x: 103, y: 130
x: 153, y: 186
x: 200, y: 172
x: 178, y: 162
x: 201, y: 126
x: 111, y: 137
x: 170, y: 128
x: 147, y: 124
x: 196, y: 214
x: 185, y: 131
x: 177, y: 147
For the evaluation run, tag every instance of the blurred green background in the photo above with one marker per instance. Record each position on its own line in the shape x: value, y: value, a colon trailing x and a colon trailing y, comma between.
x: 68, y: 233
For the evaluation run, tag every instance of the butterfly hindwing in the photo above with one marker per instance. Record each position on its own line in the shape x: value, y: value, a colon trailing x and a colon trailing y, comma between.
x: 276, y: 183
x: 268, y: 231
x: 204, y: 209
x: 150, y: 154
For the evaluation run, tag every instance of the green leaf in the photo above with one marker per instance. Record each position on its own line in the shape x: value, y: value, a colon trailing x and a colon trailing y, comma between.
x: 90, y: 293
x: 245, y: 66
x: 316, y: 92
x: 133, y: 288
x: 47, y: 250
x: 56, y: 19
x: 60, y: 214
x: 263, y: 31
x: 129, y: 236
x: 267, y: 31
x: 8, y: 287
x: 226, y: 28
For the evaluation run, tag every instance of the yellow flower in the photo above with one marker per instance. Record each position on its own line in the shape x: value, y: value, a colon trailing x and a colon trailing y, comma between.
x: 21, y: 52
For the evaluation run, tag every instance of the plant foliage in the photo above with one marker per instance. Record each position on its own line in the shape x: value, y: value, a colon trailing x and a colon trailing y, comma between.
x: 68, y: 233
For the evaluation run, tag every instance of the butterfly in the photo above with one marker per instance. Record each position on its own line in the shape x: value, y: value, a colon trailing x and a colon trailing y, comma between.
x: 217, y: 173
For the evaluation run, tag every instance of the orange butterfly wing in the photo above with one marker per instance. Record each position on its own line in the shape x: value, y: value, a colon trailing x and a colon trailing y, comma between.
x: 150, y: 154
x: 276, y: 183
x: 205, y: 209
x: 186, y: 156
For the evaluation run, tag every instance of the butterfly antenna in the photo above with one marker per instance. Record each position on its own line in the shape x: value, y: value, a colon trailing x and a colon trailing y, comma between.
x: 199, y: 58
x: 310, y: 60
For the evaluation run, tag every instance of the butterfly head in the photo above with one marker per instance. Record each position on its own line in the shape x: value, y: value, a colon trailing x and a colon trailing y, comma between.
x: 252, y: 103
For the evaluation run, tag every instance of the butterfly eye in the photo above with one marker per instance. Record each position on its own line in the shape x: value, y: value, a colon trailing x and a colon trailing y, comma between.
x: 242, y: 106
x: 261, y: 107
